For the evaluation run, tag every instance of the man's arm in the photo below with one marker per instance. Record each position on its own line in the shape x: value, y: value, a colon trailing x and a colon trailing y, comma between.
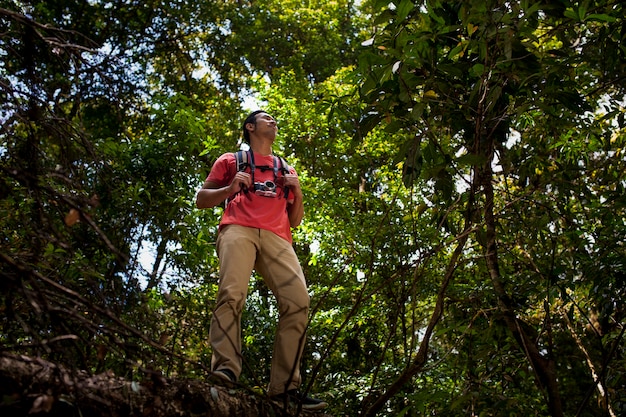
x: 295, y: 210
x: 211, y: 194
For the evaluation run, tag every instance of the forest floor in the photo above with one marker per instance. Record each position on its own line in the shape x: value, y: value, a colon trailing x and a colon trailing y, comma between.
x: 34, y: 387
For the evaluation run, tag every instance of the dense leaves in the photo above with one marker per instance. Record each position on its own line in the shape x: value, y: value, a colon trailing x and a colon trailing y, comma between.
x: 463, y: 167
x: 499, y: 94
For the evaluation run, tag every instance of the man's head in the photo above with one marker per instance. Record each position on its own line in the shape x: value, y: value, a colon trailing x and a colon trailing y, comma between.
x: 250, y: 124
x: 250, y: 119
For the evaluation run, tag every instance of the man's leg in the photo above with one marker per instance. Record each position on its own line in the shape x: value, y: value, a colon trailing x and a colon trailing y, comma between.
x: 236, y: 249
x: 279, y: 266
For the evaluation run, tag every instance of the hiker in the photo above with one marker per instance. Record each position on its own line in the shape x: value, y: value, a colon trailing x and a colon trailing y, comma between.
x: 263, y: 202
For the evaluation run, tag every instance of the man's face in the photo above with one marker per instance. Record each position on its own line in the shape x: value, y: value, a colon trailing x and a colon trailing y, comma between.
x: 265, y: 124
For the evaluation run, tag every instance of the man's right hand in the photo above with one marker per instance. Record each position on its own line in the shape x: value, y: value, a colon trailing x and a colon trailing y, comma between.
x: 241, y: 182
x: 210, y: 195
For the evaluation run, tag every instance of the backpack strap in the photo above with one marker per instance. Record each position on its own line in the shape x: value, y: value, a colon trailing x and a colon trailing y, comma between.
x: 283, y: 168
x: 250, y: 162
x: 243, y: 160
x: 239, y: 156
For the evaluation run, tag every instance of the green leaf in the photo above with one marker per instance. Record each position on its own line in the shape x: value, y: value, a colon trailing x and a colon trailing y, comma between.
x: 477, y: 70
x: 404, y: 9
x: 457, y: 50
x: 582, y: 10
x: 471, y: 160
x: 453, y: 70
x: 570, y: 13
x: 601, y: 18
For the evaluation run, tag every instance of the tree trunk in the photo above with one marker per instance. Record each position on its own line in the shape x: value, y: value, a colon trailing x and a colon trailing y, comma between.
x: 544, y: 367
x: 35, y: 386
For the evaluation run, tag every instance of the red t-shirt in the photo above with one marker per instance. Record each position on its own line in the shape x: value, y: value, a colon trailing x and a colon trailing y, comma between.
x: 249, y: 209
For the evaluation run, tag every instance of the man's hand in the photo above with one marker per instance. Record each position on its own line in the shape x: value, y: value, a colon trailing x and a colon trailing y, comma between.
x: 210, y: 195
x: 293, y: 183
x: 295, y: 208
x: 240, y: 182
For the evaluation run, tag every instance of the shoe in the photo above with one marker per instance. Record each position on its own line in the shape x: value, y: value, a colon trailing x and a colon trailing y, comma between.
x: 226, y: 375
x: 295, y: 397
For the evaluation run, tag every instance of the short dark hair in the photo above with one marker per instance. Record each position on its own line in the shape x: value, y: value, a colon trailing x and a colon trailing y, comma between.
x: 250, y: 119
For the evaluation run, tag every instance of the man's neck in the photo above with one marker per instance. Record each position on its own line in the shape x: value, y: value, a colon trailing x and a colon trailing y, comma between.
x: 261, y: 148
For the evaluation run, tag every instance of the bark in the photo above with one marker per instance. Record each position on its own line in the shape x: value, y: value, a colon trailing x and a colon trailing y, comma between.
x: 544, y: 367
x: 33, y: 386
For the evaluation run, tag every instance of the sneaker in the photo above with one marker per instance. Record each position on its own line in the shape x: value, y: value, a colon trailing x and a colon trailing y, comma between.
x: 295, y: 397
x: 226, y: 375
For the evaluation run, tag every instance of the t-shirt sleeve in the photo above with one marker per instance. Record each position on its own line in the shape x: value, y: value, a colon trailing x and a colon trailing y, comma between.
x: 223, y: 170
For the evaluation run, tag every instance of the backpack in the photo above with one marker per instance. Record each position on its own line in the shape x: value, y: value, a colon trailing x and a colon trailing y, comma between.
x: 245, y: 159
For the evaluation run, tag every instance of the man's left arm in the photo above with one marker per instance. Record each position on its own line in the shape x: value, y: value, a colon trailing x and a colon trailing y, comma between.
x: 295, y: 209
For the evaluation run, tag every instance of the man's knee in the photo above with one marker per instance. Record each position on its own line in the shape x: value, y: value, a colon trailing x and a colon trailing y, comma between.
x: 295, y: 303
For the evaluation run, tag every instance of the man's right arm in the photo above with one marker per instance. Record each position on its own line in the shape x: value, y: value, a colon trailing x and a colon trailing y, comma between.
x: 211, y: 194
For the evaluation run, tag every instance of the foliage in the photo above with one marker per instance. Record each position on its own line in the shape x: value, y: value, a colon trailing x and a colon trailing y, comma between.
x: 499, y: 96
x: 463, y: 167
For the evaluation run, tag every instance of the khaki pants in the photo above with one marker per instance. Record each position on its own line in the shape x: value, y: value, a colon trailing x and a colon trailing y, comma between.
x: 240, y: 250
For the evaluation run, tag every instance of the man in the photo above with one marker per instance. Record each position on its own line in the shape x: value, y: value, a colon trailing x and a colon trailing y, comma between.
x: 255, y: 233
